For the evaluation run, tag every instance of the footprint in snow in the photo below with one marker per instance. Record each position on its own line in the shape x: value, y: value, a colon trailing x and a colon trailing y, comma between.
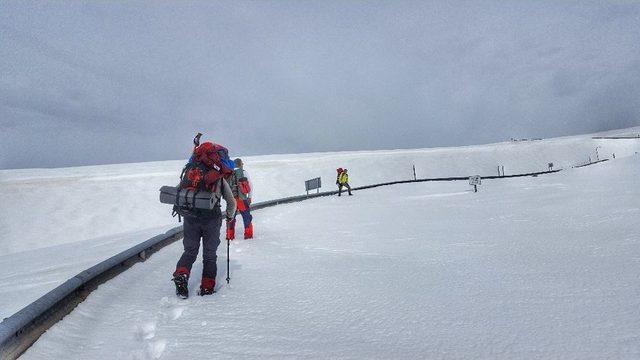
x: 176, y: 312
x: 156, y: 348
x: 145, y: 331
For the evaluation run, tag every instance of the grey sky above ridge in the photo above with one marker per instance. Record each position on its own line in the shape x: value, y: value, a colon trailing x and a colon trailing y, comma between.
x: 108, y: 82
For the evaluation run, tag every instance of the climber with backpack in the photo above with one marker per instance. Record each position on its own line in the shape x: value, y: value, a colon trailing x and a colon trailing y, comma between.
x: 241, y: 188
x: 343, y: 181
x: 203, y: 177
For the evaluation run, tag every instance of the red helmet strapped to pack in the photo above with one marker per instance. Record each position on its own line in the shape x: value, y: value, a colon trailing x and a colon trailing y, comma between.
x: 214, y: 156
x: 339, y: 170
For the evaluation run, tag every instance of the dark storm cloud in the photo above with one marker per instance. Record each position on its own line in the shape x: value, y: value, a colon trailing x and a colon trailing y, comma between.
x: 103, y: 82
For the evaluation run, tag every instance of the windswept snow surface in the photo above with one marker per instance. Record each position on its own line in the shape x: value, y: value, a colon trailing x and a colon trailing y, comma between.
x: 527, y: 268
x: 57, y: 222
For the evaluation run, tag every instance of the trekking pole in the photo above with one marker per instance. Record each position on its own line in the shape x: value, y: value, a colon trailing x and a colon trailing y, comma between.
x: 228, y: 278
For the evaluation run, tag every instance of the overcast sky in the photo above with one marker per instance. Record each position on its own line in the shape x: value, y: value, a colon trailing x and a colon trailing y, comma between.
x: 107, y: 82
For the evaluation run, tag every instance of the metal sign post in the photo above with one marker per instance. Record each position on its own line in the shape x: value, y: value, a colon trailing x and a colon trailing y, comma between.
x: 475, y: 181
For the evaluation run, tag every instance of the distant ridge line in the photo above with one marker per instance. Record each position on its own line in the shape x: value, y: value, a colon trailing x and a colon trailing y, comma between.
x: 616, y: 137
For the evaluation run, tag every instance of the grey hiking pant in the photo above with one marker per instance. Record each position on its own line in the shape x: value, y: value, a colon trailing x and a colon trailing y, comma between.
x: 209, y: 230
x: 340, y: 186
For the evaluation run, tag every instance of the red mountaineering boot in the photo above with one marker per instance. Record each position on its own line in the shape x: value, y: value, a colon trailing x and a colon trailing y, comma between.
x: 206, y: 286
x: 248, y: 232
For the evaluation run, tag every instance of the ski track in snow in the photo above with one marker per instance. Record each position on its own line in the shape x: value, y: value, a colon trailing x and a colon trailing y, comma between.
x: 527, y: 268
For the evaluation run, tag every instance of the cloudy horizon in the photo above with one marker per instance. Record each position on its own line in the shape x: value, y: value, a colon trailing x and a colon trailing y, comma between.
x: 86, y: 83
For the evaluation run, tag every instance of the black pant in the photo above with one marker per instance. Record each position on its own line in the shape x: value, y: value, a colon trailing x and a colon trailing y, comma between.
x: 345, y: 185
x: 209, y: 230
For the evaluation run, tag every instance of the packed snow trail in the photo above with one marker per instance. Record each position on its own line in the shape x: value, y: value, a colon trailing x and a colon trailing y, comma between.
x: 527, y: 268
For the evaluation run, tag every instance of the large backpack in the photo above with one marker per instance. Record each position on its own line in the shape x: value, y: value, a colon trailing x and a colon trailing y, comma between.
x: 241, y: 187
x: 205, y: 170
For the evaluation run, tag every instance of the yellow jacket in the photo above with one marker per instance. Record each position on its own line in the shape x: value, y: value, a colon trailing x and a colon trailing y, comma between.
x: 343, y: 178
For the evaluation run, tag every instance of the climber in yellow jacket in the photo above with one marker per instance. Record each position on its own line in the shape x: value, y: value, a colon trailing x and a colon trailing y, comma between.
x: 343, y: 181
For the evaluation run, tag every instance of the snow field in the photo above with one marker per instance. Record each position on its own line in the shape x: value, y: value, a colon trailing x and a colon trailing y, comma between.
x: 30, y: 274
x: 57, y: 222
x: 47, y: 207
x: 541, y: 267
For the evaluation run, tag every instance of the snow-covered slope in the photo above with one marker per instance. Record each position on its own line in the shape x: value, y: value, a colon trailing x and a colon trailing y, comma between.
x: 56, y: 222
x: 528, y: 268
x: 45, y: 207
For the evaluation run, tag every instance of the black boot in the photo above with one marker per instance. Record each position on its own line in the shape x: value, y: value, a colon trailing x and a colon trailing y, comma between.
x: 182, y: 282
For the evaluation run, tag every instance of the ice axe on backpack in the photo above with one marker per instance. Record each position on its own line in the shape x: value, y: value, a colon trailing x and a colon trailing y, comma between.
x: 196, y: 140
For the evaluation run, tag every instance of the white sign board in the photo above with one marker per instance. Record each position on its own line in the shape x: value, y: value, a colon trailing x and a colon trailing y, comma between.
x: 475, y: 180
x: 313, y: 184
